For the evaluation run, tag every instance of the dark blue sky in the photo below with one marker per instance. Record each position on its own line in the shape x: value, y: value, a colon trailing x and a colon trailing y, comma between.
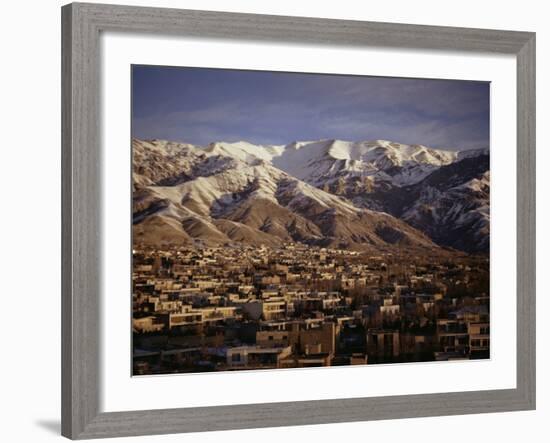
x: 200, y: 106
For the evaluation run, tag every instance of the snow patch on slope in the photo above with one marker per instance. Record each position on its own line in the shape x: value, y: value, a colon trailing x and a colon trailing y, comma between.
x: 245, y: 151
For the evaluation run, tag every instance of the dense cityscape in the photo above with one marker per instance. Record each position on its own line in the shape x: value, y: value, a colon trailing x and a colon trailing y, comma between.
x: 283, y: 220
x: 200, y: 309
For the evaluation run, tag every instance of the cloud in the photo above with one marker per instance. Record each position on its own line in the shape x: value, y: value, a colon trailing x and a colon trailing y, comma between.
x: 278, y: 108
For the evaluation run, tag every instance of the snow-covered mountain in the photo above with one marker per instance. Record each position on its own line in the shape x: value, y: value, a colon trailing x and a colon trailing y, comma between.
x: 218, y: 197
x: 245, y: 151
x: 324, y: 162
x: 452, y: 205
x: 328, y: 192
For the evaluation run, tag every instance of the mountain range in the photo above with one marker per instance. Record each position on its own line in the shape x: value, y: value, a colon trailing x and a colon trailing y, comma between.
x: 368, y: 195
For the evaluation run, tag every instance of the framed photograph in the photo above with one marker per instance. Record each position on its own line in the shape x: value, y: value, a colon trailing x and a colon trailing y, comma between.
x: 274, y: 221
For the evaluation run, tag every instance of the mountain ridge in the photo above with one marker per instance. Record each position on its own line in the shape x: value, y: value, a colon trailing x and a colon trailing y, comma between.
x: 220, y: 193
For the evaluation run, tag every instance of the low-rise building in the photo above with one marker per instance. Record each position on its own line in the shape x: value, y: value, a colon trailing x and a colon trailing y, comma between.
x: 252, y: 357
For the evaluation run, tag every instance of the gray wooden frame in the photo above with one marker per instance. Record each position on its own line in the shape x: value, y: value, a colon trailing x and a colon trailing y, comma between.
x: 81, y: 165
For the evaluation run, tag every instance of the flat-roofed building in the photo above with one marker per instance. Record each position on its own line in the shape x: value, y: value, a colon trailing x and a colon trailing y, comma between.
x: 270, y: 309
x: 273, y: 338
x: 479, y: 339
x: 150, y: 323
x: 318, y: 339
x: 383, y: 344
x: 452, y: 335
x: 252, y: 357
